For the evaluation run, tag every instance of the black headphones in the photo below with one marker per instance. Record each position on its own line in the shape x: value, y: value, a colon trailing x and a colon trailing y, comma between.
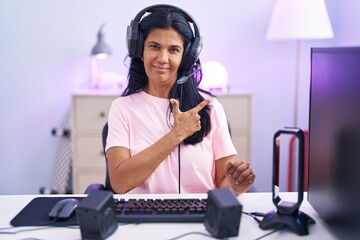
x: 135, y: 38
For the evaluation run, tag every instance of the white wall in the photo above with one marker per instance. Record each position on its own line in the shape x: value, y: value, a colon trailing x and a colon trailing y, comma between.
x: 45, y: 48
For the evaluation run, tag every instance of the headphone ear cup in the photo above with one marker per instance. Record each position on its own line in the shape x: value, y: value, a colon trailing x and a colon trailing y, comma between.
x: 132, y: 37
x: 139, y: 45
x: 185, y: 58
x: 191, y: 54
x: 135, y: 40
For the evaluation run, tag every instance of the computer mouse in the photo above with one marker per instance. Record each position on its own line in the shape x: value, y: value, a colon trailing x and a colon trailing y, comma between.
x: 64, y: 208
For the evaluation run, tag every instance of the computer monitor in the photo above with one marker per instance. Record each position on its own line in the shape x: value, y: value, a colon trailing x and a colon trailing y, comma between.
x: 334, y: 135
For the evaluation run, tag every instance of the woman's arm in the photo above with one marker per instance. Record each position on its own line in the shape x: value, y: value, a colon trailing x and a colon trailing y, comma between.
x: 236, y: 174
x: 126, y: 171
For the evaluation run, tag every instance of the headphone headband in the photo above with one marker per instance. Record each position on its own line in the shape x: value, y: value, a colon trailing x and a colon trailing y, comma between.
x: 187, y: 16
x: 135, y: 38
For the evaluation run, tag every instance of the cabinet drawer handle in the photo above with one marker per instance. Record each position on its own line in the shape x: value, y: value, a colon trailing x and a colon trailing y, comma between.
x: 102, y: 114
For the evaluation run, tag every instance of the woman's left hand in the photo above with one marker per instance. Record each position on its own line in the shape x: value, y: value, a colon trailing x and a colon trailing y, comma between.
x: 240, y: 175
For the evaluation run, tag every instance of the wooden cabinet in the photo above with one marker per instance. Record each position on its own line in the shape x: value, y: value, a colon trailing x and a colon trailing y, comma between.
x: 238, y: 112
x: 90, y: 112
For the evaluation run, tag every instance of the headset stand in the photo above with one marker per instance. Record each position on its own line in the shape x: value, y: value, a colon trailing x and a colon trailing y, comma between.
x: 287, y: 214
x: 298, y: 223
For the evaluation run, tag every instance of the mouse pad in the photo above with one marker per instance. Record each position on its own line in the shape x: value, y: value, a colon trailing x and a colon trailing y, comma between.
x: 35, y: 213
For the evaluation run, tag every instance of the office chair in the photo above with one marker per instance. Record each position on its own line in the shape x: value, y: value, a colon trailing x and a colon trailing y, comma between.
x: 100, y: 186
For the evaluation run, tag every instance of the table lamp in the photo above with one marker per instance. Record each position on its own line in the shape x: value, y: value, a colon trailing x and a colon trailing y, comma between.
x: 297, y: 20
x: 99, y: 51
x: 215, y: 77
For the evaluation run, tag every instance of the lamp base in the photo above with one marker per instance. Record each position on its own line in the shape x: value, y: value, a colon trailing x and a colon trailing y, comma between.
x: 298, y: 223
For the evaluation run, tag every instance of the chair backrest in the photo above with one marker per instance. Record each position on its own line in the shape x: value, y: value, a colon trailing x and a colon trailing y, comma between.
x: 104, y: 137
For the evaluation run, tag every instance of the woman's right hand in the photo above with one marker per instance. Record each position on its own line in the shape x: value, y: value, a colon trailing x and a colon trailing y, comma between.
x: 187, y: 123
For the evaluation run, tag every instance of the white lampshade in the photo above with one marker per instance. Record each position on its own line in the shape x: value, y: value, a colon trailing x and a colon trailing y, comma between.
x: 215, y: 77
x: 299, y: 19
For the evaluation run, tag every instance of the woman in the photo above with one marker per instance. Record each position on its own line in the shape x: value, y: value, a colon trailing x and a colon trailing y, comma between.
x: 165, y: 136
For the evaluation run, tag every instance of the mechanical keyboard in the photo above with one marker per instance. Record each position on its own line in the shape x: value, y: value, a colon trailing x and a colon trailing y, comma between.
x: 160, y: 210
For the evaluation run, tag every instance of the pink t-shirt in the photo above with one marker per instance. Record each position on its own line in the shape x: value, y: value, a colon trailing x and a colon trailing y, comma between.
x: 139, y: 120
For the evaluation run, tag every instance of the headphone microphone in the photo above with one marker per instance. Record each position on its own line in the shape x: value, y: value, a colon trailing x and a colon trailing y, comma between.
x: 184, y: 79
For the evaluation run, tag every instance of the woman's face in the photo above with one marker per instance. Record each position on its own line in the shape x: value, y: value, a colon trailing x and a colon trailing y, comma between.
x: 163, y: 50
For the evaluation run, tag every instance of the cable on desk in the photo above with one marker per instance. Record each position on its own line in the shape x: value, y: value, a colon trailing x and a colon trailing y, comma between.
x: 47, y: 227
x: 23, y: 230
x: 191, y: 233
x: 45, y: 224
x: 254, y: 215
x: 269, y: 233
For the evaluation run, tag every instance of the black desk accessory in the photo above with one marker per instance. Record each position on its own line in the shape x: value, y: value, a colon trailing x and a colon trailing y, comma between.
x: 287, y: 214
x: 96, y: 215
x: 223, y: 213
x: 64, y: 208
x: 36, y: 213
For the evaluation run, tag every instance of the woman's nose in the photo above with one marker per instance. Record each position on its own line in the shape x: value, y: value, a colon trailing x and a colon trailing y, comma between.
x: 163, y: 56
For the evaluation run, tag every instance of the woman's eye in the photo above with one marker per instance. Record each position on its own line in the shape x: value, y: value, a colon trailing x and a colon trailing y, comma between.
x: 154, y: 46
x: 175, y: 50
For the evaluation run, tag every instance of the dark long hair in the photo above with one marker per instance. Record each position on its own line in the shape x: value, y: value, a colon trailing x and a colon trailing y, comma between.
x: 188, y: 93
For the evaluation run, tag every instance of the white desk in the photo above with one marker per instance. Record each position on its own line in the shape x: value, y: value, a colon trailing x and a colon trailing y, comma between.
x: 249, y: 229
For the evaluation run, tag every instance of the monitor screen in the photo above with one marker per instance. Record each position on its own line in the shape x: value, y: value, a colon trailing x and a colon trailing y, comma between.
x: 334, y: 134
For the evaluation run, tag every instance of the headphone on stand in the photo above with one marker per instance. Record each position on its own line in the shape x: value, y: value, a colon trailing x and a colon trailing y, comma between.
x: 135, y: 37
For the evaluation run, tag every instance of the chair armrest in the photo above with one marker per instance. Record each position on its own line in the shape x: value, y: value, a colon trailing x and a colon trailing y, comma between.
x: 94, y: 187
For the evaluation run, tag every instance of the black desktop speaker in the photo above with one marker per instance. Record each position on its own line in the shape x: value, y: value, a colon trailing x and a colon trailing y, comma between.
x: 223, y: 213
x: 96, y: 215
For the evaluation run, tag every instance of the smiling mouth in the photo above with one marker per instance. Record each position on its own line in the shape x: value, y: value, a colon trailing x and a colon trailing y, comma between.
x: 160, y: 69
